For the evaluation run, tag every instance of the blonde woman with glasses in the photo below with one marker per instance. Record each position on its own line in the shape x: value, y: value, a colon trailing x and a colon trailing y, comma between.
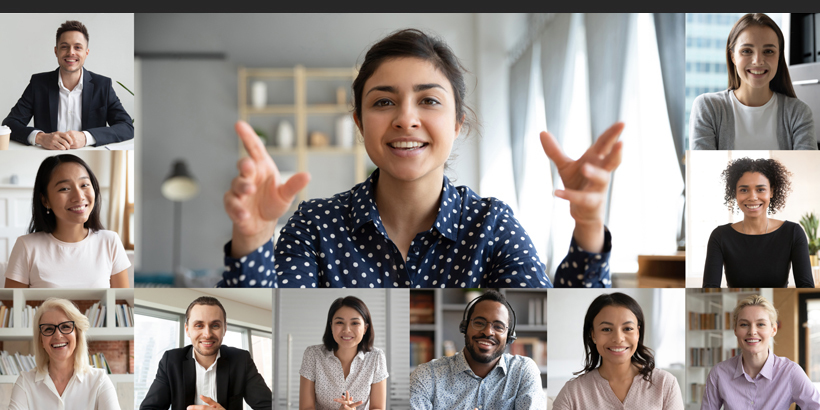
x: 62, y: 378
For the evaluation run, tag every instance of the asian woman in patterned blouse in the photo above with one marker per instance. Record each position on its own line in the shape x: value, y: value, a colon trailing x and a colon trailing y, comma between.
x: 346, y: 362
x: 407, y: 225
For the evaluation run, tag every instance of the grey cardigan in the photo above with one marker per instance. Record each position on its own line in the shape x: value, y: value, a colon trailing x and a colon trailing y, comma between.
x: 712, y: 123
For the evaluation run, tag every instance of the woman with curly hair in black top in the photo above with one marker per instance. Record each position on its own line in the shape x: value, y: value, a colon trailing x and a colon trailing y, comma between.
x: 757, y: 251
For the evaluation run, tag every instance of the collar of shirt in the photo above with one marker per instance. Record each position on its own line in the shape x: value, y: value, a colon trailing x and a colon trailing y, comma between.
x: 363, y: 207
x: 460, y: 364
x: 79, y: 86
x: 767, y: 371
x: 212, y: 366
x: 40, y: 376
x: 329, y: 355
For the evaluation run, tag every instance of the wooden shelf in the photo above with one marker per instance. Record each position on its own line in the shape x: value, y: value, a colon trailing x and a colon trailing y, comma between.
x: 301, y: 110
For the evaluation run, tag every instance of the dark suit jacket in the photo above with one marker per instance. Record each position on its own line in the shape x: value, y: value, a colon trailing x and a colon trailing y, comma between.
x: 236, y: 378
x: 100, y: 106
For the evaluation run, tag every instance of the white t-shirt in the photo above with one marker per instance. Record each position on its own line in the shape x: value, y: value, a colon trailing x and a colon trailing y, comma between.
x: 43, y: 261
x: 324, y: 369
x: 92, y: 390
x: 755, y: 127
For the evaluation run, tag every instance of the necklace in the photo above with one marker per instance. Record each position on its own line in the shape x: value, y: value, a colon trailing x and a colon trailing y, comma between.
x: 743, y: 226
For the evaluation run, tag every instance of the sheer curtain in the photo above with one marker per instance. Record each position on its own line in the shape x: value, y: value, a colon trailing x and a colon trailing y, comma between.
x: 595, y: 70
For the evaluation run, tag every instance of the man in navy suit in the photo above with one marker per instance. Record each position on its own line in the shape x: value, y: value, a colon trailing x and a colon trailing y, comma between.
x: 71, y: 105
x: 205, y: 374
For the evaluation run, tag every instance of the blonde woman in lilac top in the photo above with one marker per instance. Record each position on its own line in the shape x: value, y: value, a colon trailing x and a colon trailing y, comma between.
x: 619, y: 372
x: 756, y: 378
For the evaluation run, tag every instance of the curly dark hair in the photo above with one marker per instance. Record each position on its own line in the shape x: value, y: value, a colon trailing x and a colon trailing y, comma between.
x: 773, y: 170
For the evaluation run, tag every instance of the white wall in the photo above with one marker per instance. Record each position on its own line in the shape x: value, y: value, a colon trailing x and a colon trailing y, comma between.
x: 28, y: 47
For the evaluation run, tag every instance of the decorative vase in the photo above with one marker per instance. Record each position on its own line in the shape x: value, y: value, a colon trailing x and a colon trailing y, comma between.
x: 813, y: 259
x: 259, y: 94
x: 285, y: 135
x: 345, y: 131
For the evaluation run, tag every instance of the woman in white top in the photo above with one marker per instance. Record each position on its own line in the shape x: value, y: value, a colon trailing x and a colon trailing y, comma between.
x: 66, y: 245
x: 62, y: 379
x: 345, y: 372
x: 759, y: 110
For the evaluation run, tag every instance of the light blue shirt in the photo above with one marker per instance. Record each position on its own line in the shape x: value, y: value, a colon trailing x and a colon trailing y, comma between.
x: 449, y: 383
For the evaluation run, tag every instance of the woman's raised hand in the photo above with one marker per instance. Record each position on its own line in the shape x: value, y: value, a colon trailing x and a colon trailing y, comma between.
x: 585, y: 183
x: 347, y: 402
x: 258, y: 197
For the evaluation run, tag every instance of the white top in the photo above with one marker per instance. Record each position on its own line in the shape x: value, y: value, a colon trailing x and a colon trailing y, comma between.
x: 320, y: 366
x: 43, y: 261
x: 205, y: 379
x: 90, y: 391
x: 69, y: 111
x: 755, y: 127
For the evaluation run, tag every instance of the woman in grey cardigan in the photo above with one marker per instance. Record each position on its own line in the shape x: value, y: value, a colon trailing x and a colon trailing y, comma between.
x: 759, y: 110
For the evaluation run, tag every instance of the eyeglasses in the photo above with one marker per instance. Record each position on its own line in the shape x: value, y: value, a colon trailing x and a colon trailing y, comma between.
x: 65, y: 328
x: 480, y: 324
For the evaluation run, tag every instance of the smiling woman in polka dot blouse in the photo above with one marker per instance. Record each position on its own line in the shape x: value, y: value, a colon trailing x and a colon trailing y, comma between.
x: 407, y: 225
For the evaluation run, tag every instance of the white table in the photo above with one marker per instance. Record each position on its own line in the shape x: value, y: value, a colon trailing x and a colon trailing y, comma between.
x: 117, y: 146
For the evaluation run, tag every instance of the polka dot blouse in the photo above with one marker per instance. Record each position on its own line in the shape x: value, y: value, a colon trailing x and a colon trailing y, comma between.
x: 474, y: 242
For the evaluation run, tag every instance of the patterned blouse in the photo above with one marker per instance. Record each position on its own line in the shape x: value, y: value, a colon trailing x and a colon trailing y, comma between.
x: 324, y: 369
x: 474, y: 242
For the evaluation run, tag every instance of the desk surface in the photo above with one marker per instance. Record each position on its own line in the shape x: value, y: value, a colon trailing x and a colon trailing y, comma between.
x: 118, y: 146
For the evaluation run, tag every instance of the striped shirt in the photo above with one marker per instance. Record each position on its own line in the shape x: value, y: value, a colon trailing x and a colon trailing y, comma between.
x: 780, y: 383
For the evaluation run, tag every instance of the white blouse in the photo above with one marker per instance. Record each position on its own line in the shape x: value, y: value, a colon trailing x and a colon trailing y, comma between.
x: 90, y: 391
x: 324, y: 369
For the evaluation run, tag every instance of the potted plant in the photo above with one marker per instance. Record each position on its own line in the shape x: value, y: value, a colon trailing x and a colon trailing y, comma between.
x: 809, y: 222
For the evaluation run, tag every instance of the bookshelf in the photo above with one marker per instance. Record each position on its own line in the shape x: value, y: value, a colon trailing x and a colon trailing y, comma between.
x: 18, y: 338
x: 446, y: 309
x: 311, y: 99
x: 710, y: 337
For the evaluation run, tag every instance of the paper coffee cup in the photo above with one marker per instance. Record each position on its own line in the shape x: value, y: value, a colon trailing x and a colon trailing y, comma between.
x: 5, y: 135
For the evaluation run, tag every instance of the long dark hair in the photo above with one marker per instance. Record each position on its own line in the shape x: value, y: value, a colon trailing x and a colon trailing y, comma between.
x: 643, y: 357
x: 416, y: 43
x: 352, y: 302
x: 47, y: 222
x: 782, y: 82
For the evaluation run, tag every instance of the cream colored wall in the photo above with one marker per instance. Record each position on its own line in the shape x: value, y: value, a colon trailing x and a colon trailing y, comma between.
x: 239, y: 313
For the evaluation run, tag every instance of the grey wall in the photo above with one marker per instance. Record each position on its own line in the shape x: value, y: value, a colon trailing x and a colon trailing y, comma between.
x: 189, y: 106
x: 28, y: 44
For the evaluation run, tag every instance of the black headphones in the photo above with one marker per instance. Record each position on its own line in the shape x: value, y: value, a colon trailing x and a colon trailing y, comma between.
x: 510, y: 329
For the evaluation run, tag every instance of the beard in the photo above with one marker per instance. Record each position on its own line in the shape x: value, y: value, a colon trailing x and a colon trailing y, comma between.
x: 483, y: 357
x: 207, y: 352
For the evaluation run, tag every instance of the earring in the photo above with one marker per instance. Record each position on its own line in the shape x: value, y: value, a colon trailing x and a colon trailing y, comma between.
x: 48, y: 211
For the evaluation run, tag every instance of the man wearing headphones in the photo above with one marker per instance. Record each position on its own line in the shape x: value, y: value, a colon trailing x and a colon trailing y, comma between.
x: 482, y: 376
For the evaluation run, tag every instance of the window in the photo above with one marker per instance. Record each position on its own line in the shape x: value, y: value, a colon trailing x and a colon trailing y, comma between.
x: 158, y: 331
x: 810, y: 336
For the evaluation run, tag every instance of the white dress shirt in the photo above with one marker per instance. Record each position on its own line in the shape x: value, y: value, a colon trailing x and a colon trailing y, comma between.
x: 89, y: 391
x: 69, y: 111
x: 205, y: 379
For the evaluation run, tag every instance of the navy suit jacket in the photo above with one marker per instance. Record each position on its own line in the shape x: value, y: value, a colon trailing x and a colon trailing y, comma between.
x: 236, y: 379
x: 100, y: 106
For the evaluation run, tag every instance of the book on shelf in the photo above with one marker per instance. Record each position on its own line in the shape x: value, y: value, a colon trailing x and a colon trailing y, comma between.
x: 96, y: 314
x: 13, y: 365
x: 123, y: 316
x: 704, y: 321
x: 696, y: 392
x: 421, y: 308
x: 532, y: 347
x: 705, y: 356
x: 421, y: 349
x: 98, y: 361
